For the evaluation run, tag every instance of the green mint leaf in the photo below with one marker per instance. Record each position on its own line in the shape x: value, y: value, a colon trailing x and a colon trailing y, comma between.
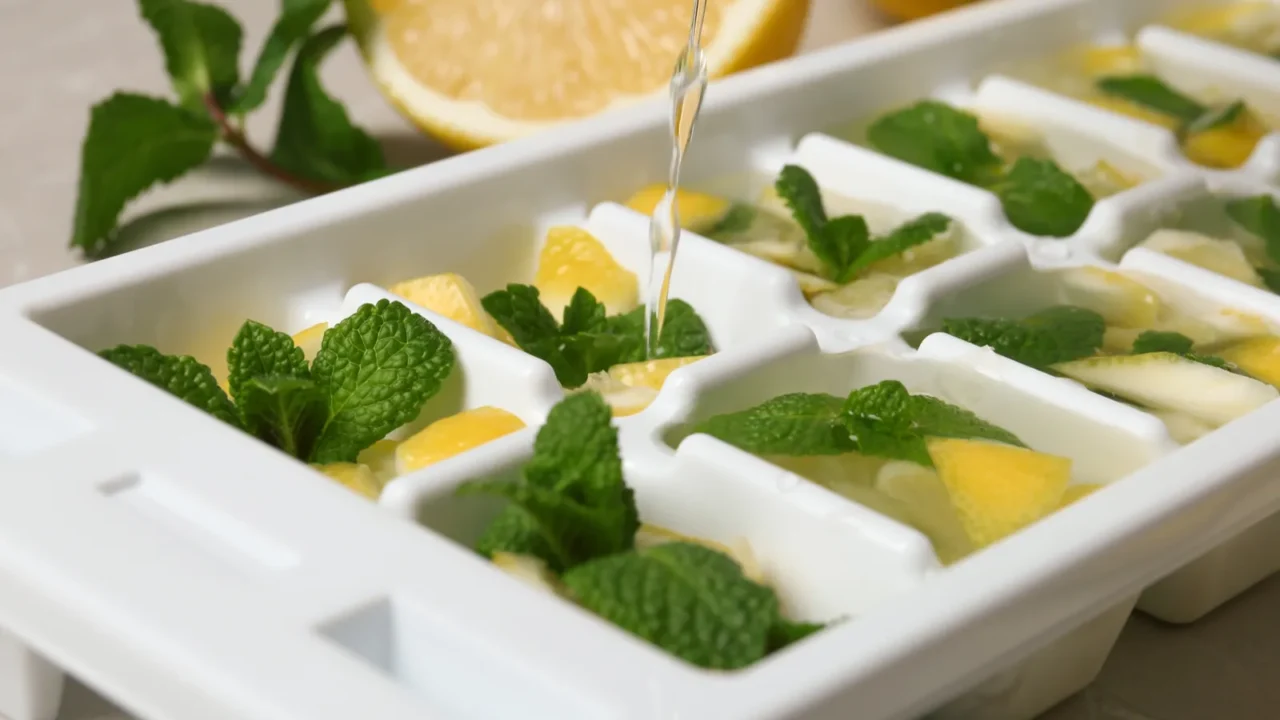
x: 583, y: 314
x: 297, y: 17
x: 574, y: 504
x: 1054, y: 335
x: 738, y: 219
x: 521, y: 313
x: 315, y: 138
x: 286, y: 412
x: 795, y: 424
x: 785, y: 632
x: 1043, y: 199
x: 630, y: 328
x: 884, y: 420
x: 799, y: 191
x: 257, y: 352
x: 684, y: 334
x: 1260, y: 217
x: 133, y: 143
x: 1271, y: 278
x: 179, y: 375
x: 1152, y: 93
x: 904, y: 237
x: 937, y: 137
x: 839, y: 245
x: 1154, y: 341
x: 201, y: 45
x: 376, y: 369
x: 687, y: 599
x: 515, y: 531
x: 1217, y: 117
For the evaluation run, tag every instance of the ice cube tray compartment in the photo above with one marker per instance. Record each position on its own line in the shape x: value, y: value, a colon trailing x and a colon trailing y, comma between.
x: 365, y: 626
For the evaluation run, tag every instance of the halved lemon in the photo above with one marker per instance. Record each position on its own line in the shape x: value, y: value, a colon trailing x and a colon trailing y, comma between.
x: 478, y: 72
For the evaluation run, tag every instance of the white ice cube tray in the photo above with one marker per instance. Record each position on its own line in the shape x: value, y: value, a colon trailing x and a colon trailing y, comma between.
x: 188, y: 571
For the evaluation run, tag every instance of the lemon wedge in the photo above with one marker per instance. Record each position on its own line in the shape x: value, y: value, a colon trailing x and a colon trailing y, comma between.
x: 998, y: 489
x: 450, y: 295
x: 1120, y: 300
x: 1221, y: 256
x: 574, y: 258
x: 478, y: 72
x: 453, y: 435
x: 698, y: 212
x: 527, y: 569
x: 1259, y: 357
x: 859, y: 300
x: 353, y: 476
x: 624, y: 399
x: 649, y: 373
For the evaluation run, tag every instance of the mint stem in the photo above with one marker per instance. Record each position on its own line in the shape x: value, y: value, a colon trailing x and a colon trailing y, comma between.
x: 234, y: 136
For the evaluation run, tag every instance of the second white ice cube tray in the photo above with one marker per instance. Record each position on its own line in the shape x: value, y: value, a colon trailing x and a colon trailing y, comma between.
x: 188, y: 571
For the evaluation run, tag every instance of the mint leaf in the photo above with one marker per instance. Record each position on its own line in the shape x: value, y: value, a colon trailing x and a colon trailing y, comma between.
x: 133, y: 143
x: 687, y: 599
x: 179, y: 375
x: 315, y: 138
x: 286, y: 412
x: 1152, y: 93
x: 521, y: 313
x: 884, y: 420
x: 583, y: 314
x: 684, y: 334
x: 1042, y: 199
x: 1260, y: 217
x: 1217, y: 117
x: 799, y: 191
x: 785, y: 632
x: 257, y: 351
x: 1054, y: 335
x: 1271, y: 278
x: 739, y: 218
x: 574, y: 504
x: 1154, y: 341
x: 906, y: 236
x: 376, y: 369
x: 795, y: 424
x: 201, y: 45
x: 937, y: 137
x: 294, y: 24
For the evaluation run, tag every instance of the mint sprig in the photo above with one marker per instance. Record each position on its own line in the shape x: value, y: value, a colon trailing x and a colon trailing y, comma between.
x: 573, y: 510
x: 1041, y: 340
x: 372, y: 374
x: 135, y: 142
x: 588, y: 341
x: 843, y: 244
x: 882, y: 420
x: 1038, y: 196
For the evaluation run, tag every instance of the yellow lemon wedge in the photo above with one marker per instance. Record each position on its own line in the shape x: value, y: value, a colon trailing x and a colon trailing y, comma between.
x: 859, y: 300
x: 928, y: 507
x: 450, y: 295
x: 1224, y: 257
x: 1101, y: 60
x: 573, y: 258
x: 309, y: 340
x: 622, y: 398
x: 453, y: 435
x: 998, y: 489
x: 1076, y: 492
x: 1226, y: 145
x: 916, y: 9
x: 699, y: 212
x: 1120, y: 300
x: 1259, y: 357
x: 380, y: 458
x: 478, y: 72
x: 353, y: 476
x: 649, y: 373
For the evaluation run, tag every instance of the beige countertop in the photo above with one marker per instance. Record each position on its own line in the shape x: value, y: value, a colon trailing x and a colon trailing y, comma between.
x: 59, y: 57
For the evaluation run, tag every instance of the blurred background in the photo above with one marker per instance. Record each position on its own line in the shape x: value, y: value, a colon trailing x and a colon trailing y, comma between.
x: 59, y: 58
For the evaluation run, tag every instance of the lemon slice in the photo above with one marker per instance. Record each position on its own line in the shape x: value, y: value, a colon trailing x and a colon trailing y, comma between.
x: 1120, y: 300
x: 859, y: 300
x: 915, y: 9
x: 699, y: 212
x: 998, y: 489
x: 928, y: 507
x: 1259, y: 357
x: 380, y: 458
x: 353, y: 476
x: 450, y: 295
x: 1228, y: 145
x: 1224, y: 257
x: 573, y: 258
x: 478, y: 72
x: 1078, y: 491
x: 1099, y: 60
x: 624, y: 399
x: 453, y: 435
x: 650, y: 373
x: 309, y: 340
